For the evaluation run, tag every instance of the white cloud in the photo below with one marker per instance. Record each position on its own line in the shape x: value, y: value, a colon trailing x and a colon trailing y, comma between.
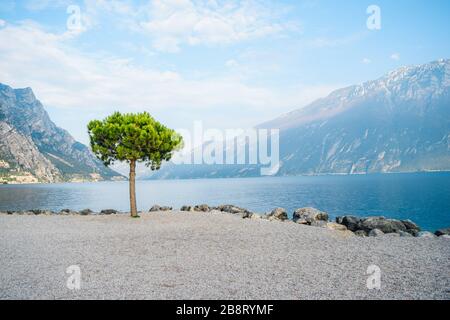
x: 2, y: 23
x: 173, y: 23
x: 63, y: 77
x: 231, y: 63
x: 366, y: 61
x: 39, y: 5
x: 395, y: 56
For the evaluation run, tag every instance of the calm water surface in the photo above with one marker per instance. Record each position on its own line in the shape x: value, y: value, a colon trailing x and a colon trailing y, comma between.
x: 423, y: 197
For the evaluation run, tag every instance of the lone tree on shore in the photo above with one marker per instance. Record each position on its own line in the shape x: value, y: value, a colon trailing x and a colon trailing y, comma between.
x: 133, y: 138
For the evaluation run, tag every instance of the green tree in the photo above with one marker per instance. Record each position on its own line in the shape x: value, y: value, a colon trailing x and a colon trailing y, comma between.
x: 133, y: 138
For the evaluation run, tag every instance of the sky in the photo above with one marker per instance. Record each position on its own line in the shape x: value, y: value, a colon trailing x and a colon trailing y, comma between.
x: 230, y: 64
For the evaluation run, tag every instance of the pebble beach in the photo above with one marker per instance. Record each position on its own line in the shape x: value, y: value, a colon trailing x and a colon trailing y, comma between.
x: 211, y: 255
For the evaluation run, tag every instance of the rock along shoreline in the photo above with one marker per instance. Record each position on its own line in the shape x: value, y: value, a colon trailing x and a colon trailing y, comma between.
x: 349, y: 225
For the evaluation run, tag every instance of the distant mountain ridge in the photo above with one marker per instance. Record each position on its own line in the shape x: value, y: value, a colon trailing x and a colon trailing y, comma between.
x: 34, y: 149
x: 398, y: 123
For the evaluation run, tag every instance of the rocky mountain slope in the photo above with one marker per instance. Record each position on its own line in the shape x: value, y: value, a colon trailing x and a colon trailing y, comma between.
x: 34, y: 149
x: 398, y: 123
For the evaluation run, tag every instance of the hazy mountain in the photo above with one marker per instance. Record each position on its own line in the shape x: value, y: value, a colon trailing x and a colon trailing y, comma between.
x: 33, y: 148
x: 398, y: 123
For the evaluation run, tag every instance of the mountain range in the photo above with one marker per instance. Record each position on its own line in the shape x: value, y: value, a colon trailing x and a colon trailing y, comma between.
x: 397, y: 123
x: 33, y: 149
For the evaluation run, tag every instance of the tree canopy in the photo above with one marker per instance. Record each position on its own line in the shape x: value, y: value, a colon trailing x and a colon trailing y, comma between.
x: 133, y: 138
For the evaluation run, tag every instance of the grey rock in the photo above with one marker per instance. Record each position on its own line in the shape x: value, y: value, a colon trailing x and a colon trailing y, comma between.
x: 68, y: 212
x: 336, y: 226
x: 202, y: 208
x: 86, y: 212
x: 319, y: 223
x: 405, y: 234
x: 109, y: 211
x: 247, y: 214
x: 256, y: 216
x: 351, y: 222
x: 375, y: 233
x: 229, y: 208
x: 426, y: 234
x: 442, y: 232
x: 444, y: 236
x: 383, y: 224
x: 38, y: 211
x: 308, y: 215
x: 278, y: 214
x: 360, y: 233
x: 156, y: 208
x: 410, y: 225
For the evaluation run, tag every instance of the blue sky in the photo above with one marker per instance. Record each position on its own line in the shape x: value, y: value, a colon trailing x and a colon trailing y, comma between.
x: 232, y: 64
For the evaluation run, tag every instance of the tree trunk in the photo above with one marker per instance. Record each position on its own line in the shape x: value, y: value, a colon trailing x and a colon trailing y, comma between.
x: 133, y: 209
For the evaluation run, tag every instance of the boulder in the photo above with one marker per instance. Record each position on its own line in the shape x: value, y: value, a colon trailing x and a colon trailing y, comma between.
x: 442, y: 232
x: 383, y: 224
x: 38, y: 211
x: 352, y: 223
x: 375, y: 233
x: 411, y: 227
x: 256, y: 216
x: 109, y: 211
x: 426, y: 234
x: 336, y: 226
x: 278, y: 214
x: 347, y: 233
x: 187, y: 208
x: 202, y: 208
x: 229, y: 208
x: 157, y: 208
x: 67, y: 212
x: 247, y: 214
x: 360, y: 233
x: 319, y: 224
x: 86, y: 212
x: 404, y: 234
x: 308, y: 215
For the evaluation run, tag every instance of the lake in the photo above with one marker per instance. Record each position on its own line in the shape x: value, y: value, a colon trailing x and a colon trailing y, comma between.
x: 421, y: 197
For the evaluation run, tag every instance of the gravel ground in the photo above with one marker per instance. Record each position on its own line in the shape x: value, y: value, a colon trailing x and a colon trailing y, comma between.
x: 210, y: 256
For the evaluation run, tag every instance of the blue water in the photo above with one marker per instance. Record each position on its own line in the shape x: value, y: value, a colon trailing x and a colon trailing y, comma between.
x: 422, y: 197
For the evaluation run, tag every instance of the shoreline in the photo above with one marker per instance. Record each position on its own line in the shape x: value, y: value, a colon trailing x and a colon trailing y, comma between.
x: 249, y: 177
x: 211, y: 255
x: 371, y: 226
